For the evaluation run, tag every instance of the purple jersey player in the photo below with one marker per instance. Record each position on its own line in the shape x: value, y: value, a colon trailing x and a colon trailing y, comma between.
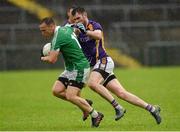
x: 102, y: 78
x: 92, y: 48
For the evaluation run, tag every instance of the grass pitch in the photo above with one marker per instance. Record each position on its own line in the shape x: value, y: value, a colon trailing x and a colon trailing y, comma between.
x: 26, y: 102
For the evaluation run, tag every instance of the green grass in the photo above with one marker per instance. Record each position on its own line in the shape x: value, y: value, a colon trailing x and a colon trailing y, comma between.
x: 26, y: 102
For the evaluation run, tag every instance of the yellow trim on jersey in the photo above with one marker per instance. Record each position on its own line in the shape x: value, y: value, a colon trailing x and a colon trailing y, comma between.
x: 97, y: 49
x: 103, y: 41
x: 90, y: 27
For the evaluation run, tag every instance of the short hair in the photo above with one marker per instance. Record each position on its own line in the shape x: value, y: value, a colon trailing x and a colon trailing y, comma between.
x: 47, y: 20
x: 69, y: 8
x: 79, y: 10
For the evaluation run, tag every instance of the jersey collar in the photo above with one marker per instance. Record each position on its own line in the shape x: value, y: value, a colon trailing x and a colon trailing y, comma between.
x: 56, y: 29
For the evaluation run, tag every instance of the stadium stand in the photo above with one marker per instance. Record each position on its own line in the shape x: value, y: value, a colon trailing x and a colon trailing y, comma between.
x: 148, y: 31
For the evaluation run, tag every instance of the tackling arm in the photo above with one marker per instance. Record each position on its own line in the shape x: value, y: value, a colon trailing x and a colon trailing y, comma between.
x: 96, y: 34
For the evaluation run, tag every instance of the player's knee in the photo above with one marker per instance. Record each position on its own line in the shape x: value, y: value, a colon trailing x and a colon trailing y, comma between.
x: 92, y: 85
x: 55, y: 92
x: 122, y: 94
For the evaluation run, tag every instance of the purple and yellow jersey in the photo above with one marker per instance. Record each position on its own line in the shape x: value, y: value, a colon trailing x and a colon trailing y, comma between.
x: 92, y: 48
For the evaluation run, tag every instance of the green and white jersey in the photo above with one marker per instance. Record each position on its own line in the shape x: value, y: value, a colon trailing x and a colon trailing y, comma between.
x: 65, y: 41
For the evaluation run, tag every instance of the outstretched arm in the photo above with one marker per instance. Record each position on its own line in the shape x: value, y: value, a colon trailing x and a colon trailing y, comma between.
x: 96, y: 34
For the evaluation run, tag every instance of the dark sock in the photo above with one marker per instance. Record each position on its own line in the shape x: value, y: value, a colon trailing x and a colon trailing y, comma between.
x: 114, y: 103
x: 150, y: 108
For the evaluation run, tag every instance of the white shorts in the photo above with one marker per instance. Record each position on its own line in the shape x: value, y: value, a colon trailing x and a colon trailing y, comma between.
x: 106, y: 64
x: 76, y: 75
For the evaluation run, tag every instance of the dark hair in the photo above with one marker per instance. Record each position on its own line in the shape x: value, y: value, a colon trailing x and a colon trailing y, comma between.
x: 47, y: 20
x: 79, y: 10
x: 69, y: 8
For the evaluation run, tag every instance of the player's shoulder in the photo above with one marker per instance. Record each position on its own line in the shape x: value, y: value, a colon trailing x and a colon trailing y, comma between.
x: 62, y: 33
x: 65, y: 29
x: 94, y: 24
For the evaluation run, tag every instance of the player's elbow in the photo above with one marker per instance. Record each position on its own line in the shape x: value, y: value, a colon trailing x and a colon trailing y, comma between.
x: 99, y: 37
x: 97, y: 34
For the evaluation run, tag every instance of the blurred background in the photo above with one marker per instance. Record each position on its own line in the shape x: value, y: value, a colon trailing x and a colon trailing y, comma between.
x: 137, y: 32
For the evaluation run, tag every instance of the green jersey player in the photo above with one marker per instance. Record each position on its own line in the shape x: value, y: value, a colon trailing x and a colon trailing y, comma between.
x: 71, y: 81
x: 67, y: 43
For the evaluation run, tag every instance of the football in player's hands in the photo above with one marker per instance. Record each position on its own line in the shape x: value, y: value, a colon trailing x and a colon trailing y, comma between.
x: 46, y: 49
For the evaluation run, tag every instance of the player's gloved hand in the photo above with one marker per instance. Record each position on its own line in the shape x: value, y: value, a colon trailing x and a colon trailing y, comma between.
x: 42, y: 55
x: 81, y: 27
